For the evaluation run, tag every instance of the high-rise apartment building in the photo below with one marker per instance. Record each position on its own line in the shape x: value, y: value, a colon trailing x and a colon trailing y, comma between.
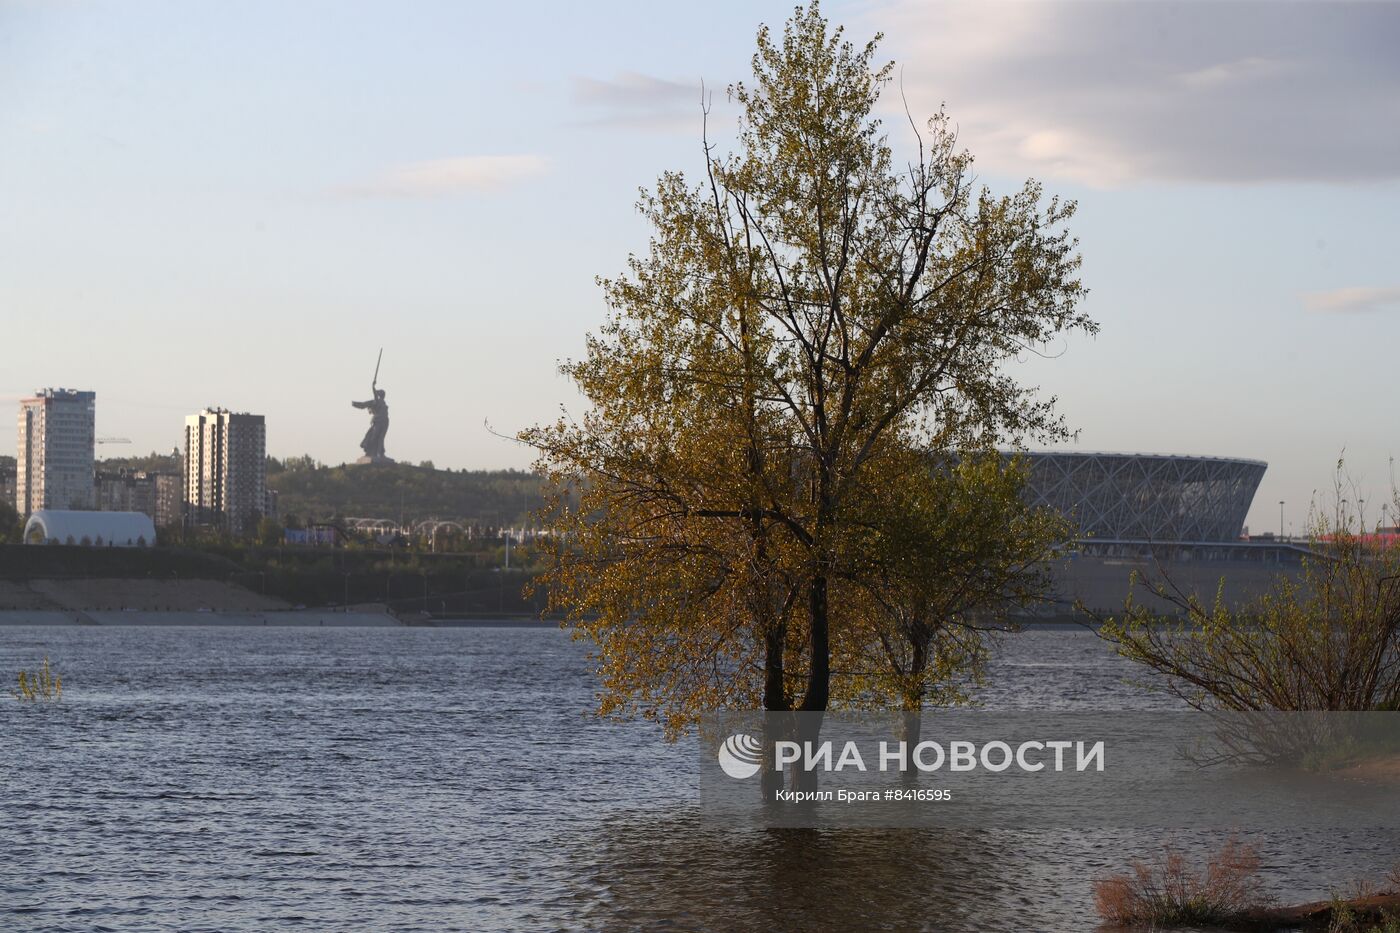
x: 225, y: 469
x: 54, y: 466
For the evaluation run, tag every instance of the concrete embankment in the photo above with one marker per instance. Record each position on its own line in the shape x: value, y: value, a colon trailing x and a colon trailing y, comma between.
x: 120, y: 601
x: 1103, y: 584
x: 355, y: 617
x: 154, y: 601
x: 141, y: 593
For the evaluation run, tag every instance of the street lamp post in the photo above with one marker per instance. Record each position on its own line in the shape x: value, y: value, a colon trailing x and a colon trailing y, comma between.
x: 1280, y: 519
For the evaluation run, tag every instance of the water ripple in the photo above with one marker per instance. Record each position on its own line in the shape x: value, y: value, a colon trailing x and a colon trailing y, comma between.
x: 426, y: 779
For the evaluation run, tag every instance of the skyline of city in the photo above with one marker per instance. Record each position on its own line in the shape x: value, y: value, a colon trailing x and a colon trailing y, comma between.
x: 221, y: 482
x: 1382, y: 511
x: 250, y: 235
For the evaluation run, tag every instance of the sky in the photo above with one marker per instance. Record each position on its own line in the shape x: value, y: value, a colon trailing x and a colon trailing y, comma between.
x: 207, y: 203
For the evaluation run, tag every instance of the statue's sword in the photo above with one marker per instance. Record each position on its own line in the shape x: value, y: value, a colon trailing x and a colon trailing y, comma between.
x: 374, y: 384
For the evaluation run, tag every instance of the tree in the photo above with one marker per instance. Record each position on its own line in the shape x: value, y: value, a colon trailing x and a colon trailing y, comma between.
x: 946, y: 553
x: 11, y: 526
x: 810, y: 324
x: 269, y: 532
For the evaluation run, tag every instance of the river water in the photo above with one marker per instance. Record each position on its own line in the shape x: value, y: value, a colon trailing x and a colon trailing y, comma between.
x: 424, y: 779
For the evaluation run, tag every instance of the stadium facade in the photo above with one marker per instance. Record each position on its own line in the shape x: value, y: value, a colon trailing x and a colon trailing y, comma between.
x: 1158, y: 517
x: 1146, y: 497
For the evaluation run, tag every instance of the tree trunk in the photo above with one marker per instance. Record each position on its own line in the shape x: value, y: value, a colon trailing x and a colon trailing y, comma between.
x: 774, y: 701
x: 818, y: 694
x: 911, y: 720
x: 819, y: 673
x: 774, y: 689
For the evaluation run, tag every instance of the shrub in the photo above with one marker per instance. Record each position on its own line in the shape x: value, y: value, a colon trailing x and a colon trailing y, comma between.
x: 1168, y: 891
x: 1329, y: 641
x: 1346, y: 920
x: 1347, y: 917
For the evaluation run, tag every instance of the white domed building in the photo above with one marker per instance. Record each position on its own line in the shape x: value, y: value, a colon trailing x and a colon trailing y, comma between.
x: 90, y: 529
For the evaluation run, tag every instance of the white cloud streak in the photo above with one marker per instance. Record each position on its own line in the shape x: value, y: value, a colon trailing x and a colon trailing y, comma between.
x: 639, y: 101
x: 1350, y: 300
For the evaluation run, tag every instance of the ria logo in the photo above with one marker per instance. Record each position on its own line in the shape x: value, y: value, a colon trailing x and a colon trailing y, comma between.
x: 740, y: 756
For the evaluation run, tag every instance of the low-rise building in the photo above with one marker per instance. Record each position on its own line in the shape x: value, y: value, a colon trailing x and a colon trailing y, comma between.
x: 169, y: 500
x: 117, y: 491
x: 7, y: 484
x: 90, y: 529
x: 155, y: 494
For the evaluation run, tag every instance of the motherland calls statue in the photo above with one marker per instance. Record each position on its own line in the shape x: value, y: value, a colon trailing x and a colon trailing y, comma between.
x: 373, y: 444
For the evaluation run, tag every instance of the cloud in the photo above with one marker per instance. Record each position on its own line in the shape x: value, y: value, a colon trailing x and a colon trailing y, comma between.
x: 1224, y: 74
x: 1353, y: 299
x: 1113, y: 93
x: 459, y: 175
x: 638, y: 101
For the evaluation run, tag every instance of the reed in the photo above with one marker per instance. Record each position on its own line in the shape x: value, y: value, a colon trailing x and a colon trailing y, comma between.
x: 43, y: 685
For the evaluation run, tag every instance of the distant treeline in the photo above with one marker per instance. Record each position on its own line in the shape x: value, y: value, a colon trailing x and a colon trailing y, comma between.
x: 153, y: 462
x: 309, y: 491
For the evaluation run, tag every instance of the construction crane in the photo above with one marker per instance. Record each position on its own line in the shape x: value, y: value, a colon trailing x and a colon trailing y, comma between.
x: 114, y: 440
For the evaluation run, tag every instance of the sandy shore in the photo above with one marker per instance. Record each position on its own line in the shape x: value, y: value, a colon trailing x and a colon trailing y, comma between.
x: 1379, y: 770
x: 1371, y: 909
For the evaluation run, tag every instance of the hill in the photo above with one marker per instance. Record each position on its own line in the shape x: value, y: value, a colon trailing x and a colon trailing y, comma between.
x: 314, y: 491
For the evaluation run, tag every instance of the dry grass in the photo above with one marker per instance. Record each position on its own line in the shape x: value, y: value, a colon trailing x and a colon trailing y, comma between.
x: 1345, y: 920
x: 1356, y: 889
x: 43, y: 685
x: 1168, y: 891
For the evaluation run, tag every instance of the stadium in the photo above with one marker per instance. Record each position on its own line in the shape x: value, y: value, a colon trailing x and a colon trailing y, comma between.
x: 1156, y: 516
x: 1146, y: 497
